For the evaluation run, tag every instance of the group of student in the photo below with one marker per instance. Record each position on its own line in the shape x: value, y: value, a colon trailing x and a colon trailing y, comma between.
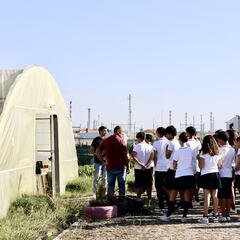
x: 185, y: 165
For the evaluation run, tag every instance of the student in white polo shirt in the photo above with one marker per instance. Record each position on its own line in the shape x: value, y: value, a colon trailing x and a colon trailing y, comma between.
x: 237, y: 168
x: 224, y: 193
x: 161, y: 166
x: 209, y: 163
x: 233, y: 142
x: 194, y: 144
x: 237, y: 164
x: 143, y: 158
x: 184, y: 163
x: 173, y: 145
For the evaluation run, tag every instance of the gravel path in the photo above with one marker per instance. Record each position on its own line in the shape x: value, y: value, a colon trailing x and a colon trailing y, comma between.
x: 149, y: 226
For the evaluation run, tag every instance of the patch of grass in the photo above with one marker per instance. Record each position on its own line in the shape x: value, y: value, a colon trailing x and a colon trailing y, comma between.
x: 32, y: 204
x: 39, y: 218
x: 86, y: 170
x: 131, y: 182
x: 81, y: 185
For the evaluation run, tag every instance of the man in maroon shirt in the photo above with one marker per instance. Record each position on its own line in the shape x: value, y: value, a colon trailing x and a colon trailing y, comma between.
x: 117, y: 161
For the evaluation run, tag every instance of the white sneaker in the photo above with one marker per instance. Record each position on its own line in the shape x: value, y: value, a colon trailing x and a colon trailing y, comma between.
x: 232, y: 211
x: 222, y: 219
x: 215, y: 219
x: 183, y: 219
x: 162, y: 213
x: 228, y: 218
x: 165, y: 219
x: 203, y: 220
x: 195, y: 203
x: 238, y: 219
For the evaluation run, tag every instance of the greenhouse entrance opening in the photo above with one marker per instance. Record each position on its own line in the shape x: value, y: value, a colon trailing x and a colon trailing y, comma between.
x: 47, y: 154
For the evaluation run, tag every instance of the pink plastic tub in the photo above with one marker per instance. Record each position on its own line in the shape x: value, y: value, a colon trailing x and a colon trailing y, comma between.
x: 101, y: 212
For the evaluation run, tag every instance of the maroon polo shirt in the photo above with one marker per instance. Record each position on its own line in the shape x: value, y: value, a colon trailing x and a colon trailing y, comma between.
x: 114, y: 147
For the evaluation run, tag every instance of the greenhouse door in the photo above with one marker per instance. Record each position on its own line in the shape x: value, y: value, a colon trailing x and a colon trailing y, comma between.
x: 47, y: 154
x: 55, y: 156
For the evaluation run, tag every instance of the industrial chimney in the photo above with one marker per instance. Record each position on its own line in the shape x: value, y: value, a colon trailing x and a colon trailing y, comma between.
x: 89, y: 118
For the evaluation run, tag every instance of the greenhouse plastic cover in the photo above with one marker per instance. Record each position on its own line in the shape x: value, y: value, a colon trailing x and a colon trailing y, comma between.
x: 24, y: 94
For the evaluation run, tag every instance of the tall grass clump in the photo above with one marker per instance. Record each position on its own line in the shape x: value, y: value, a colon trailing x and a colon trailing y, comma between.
x: 31, y: 217
x: 86, y: 171
x: 80, y: 185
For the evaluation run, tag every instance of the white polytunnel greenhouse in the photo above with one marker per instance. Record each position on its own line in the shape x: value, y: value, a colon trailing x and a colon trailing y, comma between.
x: 37, y: 148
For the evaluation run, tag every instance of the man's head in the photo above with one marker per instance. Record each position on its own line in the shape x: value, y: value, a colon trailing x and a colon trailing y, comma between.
x: 170, y: 132
x: 223, y: 138
x: 191, y: 132
x: 102, y: 131
x: 160, y: 132
x: 140, y: 137
x: 118, y: 131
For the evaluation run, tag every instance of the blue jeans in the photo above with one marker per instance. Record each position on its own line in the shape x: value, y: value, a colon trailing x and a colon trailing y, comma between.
x: 120, y: 174
x: 98, y: 167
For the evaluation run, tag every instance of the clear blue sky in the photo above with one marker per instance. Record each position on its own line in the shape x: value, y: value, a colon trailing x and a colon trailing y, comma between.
x: 178, y: 55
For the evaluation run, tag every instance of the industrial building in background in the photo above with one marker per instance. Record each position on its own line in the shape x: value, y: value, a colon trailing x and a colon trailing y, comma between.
x: 234, y: 123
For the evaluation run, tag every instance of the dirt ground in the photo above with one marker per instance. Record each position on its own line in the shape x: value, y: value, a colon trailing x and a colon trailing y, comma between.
x: 149, y: 226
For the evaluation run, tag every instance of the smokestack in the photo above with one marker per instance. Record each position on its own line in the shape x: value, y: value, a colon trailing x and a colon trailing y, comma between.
x: 89, y: 118
x: 186, y: 124
x: 70, y: 110
x: 170, y: 117
x: 129, y: 115
x: 211, y: 122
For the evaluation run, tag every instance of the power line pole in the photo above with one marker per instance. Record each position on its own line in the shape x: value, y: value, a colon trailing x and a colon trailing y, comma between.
x: 170, y: 117
x: 186, y: 120
x: 70, y: 110
x: 129, y: 115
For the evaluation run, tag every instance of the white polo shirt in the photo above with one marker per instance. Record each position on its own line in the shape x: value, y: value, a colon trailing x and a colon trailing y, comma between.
x: 173, y: 145
x: 210, y: 163
x: 228, y: 157
x: 196, y: 146
x: 160, y: 147
x: 237, y: 155
x: 144, y: 152
x: 184, y: 156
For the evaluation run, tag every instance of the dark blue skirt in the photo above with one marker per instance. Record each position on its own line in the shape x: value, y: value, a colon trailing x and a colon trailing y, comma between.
x: 184, y: 183
x: 210, y: 181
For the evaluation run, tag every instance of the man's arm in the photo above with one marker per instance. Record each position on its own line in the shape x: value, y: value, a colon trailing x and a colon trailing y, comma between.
x: 99, y: 156
x: 127, y: 161
x: 92, y: 151
x: 93, y: 145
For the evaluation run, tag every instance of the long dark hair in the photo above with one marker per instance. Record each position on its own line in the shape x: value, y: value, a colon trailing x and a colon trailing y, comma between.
x: 232, y: 137
x: 210, y: 146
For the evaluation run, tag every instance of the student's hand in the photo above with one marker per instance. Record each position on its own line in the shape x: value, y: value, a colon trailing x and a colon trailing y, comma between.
x: 104, y: 163
x: 144, y: 167
x: 128, y: 171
